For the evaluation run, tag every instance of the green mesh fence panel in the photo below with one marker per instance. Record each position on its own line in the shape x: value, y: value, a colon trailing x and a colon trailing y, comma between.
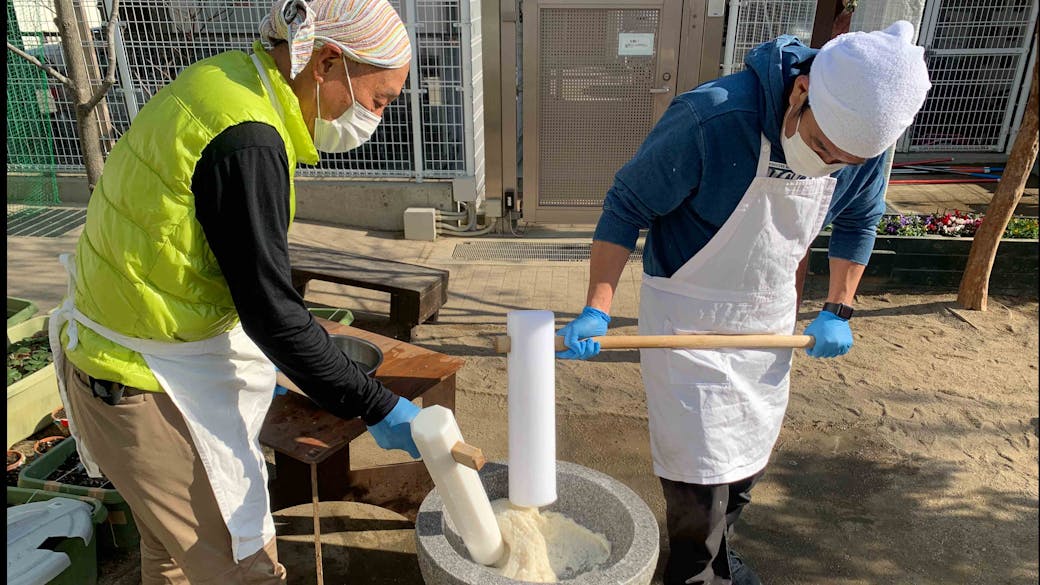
x: 31, y: 162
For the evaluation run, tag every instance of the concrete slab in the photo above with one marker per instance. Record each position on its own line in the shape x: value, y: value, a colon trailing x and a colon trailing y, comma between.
x: 373, y: 204
x: 33, y: 269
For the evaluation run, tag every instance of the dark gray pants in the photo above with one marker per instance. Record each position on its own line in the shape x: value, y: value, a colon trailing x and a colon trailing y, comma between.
x: 700, y: 522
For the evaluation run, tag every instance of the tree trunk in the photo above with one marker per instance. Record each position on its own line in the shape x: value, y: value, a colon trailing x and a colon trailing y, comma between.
x: 823, y: 23
x: 94, y: 69
x: 86, y: 119
x: 974, y: 288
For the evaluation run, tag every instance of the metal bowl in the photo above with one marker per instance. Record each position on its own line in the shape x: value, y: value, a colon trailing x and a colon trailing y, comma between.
x: 365, y: 353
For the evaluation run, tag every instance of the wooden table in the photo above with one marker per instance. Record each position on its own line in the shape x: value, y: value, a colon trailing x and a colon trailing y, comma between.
x: 311, y: 443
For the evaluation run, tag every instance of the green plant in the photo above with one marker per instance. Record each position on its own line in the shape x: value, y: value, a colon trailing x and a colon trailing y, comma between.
x: 27, y: 356
x: 1022, y: 227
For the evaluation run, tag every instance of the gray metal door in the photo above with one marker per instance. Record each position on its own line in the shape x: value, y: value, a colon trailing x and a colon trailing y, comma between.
x: 597, y: 76
x: 977, y: 53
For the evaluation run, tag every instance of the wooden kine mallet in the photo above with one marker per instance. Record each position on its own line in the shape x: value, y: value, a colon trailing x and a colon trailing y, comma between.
x: 468, y: 455
x: 691, y: 341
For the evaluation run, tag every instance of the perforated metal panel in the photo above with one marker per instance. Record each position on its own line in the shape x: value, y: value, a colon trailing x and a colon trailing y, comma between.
x: 595, y: 107
x: 976, y: 53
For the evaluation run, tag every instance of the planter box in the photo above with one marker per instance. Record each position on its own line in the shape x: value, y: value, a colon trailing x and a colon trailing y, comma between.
x: 119, y: 530
x: 19, y: 310
x: 84, y: 557
x: 30, y: 400
x: 937, y: 262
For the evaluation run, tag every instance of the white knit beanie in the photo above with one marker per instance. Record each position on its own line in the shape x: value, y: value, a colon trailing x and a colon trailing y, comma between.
x: 866, y: 88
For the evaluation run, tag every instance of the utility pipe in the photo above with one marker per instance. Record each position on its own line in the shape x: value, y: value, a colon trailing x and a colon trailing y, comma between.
x: 920, y: 162
x: 951, y: 172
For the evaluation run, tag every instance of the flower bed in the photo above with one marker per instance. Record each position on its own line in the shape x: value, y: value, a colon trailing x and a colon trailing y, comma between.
x: 930, y: 252
x: 955, y: 224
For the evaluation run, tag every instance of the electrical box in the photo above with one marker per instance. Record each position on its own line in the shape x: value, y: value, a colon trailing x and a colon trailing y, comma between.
x: 420, y: 223
x: 464, y: 189
x: 493, y: 208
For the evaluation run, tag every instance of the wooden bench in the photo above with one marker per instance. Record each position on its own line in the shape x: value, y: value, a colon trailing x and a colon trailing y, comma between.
x: 417, y: 293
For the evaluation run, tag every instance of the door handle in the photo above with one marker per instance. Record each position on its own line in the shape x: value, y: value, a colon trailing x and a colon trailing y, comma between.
x: 664, y: 89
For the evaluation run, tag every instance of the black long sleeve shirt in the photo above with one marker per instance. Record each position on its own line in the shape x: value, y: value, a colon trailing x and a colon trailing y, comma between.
x: 241, y: 187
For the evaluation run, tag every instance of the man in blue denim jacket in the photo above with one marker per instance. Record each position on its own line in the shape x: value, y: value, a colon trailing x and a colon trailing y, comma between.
x: 734, y: 183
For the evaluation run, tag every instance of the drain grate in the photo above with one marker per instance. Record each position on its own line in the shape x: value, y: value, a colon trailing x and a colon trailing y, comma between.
x: 44, y: 222
x: 521, y: 251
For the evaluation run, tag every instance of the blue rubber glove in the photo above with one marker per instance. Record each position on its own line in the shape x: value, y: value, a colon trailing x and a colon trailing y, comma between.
x: 395, y: 430
x: 832, y: 334
x: 590, y: 323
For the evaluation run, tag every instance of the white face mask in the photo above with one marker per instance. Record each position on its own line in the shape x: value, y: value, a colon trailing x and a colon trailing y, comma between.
x: 802, y: 158
x: 354, y: 128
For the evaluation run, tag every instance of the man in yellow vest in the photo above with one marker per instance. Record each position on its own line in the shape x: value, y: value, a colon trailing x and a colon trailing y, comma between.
x: 180, y: 300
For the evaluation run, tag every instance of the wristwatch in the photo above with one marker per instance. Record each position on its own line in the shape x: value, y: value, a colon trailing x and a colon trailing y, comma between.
x: 839, y: 309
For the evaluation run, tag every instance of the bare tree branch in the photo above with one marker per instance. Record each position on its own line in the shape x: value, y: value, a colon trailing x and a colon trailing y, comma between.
x: 110, y: 75
x: 47, y: 68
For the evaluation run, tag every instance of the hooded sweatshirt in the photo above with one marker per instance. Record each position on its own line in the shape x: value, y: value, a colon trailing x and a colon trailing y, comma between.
x: 696, y: 164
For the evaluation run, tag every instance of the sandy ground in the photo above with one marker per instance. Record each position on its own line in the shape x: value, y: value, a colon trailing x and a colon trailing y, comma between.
x: 912, y: 460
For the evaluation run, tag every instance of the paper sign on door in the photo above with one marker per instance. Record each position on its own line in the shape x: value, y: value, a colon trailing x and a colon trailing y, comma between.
x: 635, y: 44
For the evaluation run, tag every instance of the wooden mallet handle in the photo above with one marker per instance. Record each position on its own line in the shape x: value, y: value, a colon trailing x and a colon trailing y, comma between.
x: 749, y: 341
x: 468, y: 455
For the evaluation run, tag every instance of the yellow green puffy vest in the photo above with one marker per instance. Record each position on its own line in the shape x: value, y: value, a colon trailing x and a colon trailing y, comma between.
x: 143, y: 265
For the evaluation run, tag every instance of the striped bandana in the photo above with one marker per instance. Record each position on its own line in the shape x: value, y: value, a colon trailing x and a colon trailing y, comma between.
x: 368, y: 31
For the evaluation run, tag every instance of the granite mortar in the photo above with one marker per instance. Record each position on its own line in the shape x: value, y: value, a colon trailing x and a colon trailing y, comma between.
x: 590, y: 498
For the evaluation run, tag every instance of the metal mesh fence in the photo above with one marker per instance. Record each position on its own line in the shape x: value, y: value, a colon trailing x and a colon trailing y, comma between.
x: 977, y: 55
x: 440, y: 68
x: 976, y: 52
x: 967, y: 25
x: 156, y: 40
x: 754, y: 22
x: 390, y: 152
x: 967, y: 108
x: 30, y: 145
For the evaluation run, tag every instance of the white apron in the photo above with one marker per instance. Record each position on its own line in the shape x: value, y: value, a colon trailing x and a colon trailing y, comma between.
x: 223, y: 387
x: 716, y: 414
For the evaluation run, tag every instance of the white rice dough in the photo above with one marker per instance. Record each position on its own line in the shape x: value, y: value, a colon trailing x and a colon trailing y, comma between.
x: 546, y: 546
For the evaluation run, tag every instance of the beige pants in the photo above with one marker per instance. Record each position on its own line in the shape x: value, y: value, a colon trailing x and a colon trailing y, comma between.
x: 142, y: 445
